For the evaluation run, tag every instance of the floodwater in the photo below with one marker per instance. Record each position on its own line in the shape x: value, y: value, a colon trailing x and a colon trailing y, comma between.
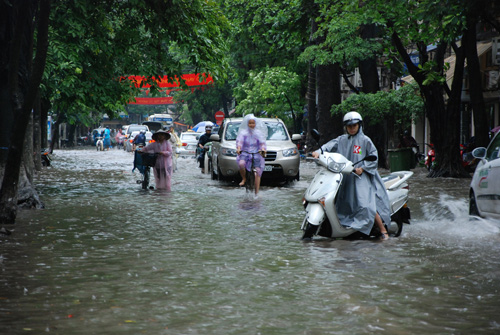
x: 106, y: 257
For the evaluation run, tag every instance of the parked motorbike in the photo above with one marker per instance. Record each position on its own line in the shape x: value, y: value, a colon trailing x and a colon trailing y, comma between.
x: 319, y: 199
x: 430, y: 159
x: 46, y: 159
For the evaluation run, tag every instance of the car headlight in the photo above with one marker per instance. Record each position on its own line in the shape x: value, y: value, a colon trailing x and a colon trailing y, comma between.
x: 228, y: 152
x: 290, y: 152
x: 334, y: 166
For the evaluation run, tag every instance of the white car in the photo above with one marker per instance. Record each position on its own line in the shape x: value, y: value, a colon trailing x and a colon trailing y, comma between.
x: 189, y: 142
x: 485, y: 186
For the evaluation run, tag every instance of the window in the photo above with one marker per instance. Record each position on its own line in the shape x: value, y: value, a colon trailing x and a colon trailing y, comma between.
x: 493, y: 149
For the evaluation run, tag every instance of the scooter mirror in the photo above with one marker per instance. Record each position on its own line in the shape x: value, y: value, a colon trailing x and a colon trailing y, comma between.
x: 370, y: 158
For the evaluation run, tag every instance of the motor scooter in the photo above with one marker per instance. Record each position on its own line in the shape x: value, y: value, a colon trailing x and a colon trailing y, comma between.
x: 319, y: 199
x: 99, y: 144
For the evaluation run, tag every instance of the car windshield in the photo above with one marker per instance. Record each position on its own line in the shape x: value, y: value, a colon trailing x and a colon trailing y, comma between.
x: 190, y: 136
x: 493, y: 149
x: 275, y: 131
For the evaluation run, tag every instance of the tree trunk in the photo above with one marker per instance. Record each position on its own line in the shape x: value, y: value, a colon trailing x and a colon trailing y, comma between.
x: 24, y: 81
x: 311, y: 108
x: 369, y: 76
x: 443, y: 121
x: 475, y: 84
x: 37, y: 134
x: 328, y: 93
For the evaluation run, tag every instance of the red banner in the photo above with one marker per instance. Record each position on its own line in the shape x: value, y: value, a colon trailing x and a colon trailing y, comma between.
x: 192, y: 79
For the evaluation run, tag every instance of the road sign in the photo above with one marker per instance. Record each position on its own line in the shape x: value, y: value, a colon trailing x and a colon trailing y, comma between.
x: 219, y: 117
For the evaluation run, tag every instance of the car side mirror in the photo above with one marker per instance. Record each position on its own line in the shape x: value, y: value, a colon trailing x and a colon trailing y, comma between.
x: 214, y: 138
x: 296, y: 137
x: 479, y: 153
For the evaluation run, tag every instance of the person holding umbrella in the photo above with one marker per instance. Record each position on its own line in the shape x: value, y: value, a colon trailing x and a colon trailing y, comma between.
x: 163, y: 167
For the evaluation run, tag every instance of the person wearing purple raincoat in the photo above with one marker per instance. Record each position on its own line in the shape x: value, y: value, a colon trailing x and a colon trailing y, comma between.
x: 250, y: 141
x: 163, y: 167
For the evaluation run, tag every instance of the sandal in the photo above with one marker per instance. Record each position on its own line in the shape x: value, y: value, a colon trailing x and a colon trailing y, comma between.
x: 384, y: 236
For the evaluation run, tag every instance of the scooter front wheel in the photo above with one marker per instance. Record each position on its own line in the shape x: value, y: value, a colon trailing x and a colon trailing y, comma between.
x: 309, y: 232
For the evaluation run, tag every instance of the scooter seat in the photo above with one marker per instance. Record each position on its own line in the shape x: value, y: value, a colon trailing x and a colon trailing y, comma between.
x: 392, y: 181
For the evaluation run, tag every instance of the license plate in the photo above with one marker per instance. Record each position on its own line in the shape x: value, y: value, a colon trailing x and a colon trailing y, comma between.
x: 191, y: 147
x: 268, y: 168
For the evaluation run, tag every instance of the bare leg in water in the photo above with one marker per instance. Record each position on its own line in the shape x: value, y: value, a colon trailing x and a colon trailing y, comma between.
x: 243, y: 172
x: 380, y: 225
x: 257, y: 182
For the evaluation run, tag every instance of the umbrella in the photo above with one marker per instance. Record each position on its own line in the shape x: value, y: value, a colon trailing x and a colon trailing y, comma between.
x: 200, y: 126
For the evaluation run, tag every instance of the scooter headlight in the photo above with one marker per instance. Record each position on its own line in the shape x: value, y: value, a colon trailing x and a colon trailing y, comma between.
x: 335, y: 166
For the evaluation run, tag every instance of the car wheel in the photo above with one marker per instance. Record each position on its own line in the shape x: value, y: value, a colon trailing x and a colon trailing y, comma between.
x: 212, y: 173
x: 473, y: 210
x: 219, y: 174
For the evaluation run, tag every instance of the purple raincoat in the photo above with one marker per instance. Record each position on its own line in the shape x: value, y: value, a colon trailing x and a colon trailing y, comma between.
x: 251, y: 141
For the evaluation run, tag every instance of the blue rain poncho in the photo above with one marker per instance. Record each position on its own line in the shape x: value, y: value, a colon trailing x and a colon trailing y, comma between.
x: 359, y: 199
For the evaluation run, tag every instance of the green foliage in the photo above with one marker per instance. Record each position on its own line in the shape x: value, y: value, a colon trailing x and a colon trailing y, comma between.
x: 200, y: 104
x: 272, y: 92
x: 401, y: 105
x: 265, y: 33
x: 95, y: 44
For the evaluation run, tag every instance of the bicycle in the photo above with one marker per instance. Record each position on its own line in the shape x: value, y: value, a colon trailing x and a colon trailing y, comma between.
x: 144, y: 162
x: 250, y: 175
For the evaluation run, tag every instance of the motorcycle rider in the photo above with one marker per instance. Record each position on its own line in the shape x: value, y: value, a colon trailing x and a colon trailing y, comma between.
x: 140, y: 139
x: 204, y: 139
x: 362, y: 199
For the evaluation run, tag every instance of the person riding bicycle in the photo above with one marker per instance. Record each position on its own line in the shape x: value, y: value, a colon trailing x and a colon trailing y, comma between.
x: 251, y: 141
x: 362, y: 199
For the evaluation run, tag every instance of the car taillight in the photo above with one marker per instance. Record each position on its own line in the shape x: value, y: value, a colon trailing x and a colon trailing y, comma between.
x: 184, y: 144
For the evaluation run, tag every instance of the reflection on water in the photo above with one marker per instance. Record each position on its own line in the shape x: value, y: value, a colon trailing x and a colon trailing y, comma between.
x: 107, y: 257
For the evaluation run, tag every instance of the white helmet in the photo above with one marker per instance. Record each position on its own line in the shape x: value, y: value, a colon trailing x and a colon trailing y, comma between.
x: 352, y: 118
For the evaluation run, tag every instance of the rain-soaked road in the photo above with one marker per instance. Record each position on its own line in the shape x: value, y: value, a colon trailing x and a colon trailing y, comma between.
x: 105, y: 257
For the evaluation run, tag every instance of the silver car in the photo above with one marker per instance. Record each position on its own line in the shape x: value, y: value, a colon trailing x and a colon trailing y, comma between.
x: 485, y: 185
x: 282, y: 159
x: 189, y: 142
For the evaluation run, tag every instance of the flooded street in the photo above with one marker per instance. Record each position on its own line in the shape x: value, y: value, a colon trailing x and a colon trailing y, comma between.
x: 106, y: 257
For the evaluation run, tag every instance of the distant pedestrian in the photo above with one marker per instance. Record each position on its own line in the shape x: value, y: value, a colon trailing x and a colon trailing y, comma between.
x: 107, y: 138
